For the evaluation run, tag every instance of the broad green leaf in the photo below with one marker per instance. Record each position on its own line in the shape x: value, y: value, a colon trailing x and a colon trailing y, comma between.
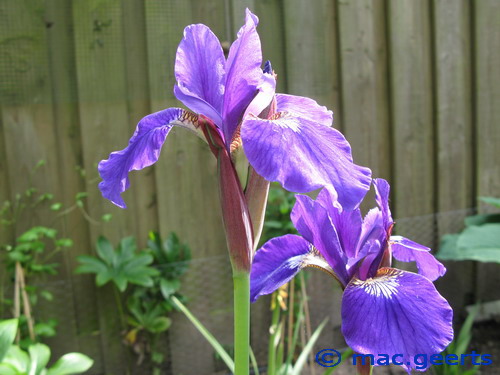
x: 206, y: 333
x: 482, y: 219
x: 103, y: 277
x: 140, y: 279
x: 105, y: 250
x: 39, y: 357
x: 71, y: 363
x: 301, y: 361
x: 138, y: 262
x: 8, y: 330
x: 491, y: 201
x: 17, y: 358
x: 45, y: 329
x: 90, y: 265
x: 160, y: 324
x: 169, y: 287
x: 6, y: 369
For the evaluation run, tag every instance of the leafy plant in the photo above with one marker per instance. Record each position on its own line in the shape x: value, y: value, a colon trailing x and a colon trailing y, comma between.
x: 148, y: 280
x: 279, y: 207
x: 15, y: 361
x: 30, y: 257
x: 121, y: 266
x: 458, y: 347
x: 479, y: 241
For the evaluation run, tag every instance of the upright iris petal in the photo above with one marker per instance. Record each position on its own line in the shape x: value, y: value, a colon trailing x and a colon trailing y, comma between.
x: 384, y: 310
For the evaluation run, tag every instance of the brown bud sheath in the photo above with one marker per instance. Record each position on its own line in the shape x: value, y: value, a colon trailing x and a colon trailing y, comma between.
x: 235, y: 213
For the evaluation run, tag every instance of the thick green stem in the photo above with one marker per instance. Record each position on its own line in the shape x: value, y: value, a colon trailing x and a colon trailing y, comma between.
x: 241, y: 282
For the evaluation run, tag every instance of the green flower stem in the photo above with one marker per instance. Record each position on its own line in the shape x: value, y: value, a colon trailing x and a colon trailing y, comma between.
x: 241, y: 282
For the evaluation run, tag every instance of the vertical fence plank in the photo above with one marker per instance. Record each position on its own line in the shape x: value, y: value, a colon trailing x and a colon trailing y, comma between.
x: 186, y: 180
x: 312, y: 70
x: 30, y: 136
x: 412, y: 117
x: 311, y: 52
x: 487, y: 118
x: 138, y: 104
x: 70, y: 155
x: 365, y: 101
x: 105, y: 126
x: 452, y: 59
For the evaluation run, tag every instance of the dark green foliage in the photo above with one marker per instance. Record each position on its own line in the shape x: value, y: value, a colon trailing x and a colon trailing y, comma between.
x: 147, y: 280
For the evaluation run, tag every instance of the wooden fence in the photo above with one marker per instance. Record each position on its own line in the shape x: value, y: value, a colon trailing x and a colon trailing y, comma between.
x: 414, y: 85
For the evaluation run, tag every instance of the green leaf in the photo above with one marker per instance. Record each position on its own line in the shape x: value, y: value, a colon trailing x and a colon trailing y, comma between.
x: 39, y: 357
x: 48, y: 296
x: 206, y: 333
x: 17, y: 358
x: 106, y: 218
x: 64, y: 242
x: 301, y: 361
x: 81, y: 195
x: 56, y: 206
x: 45, y: 329
x: 495, y: 202
x: 71, y: 363
x: 90, y: 265
x: 169, y: 287
x: 482, y: 219
x: 448, y: 247
x: 105, y: 250
x: 6, y: 369
x: 8, y: 330
x: 160, y: 324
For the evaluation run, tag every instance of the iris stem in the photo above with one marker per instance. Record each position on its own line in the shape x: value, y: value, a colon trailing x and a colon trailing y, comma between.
x: 241, y: 282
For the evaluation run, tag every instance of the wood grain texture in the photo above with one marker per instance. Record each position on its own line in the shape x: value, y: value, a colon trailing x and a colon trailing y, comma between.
x: 311, y: 52
x: 411, y: 90
x: 70, y: 155
x: 487, y: 119
x: 453, y: 67
x: 105, y: 127
x: 365, y: 99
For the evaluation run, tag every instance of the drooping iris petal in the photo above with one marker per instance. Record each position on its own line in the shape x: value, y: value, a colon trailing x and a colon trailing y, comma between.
x: 306, y: 108
x: 396, y: 312
x: 313, y: 222
x: 199, y: 71
x: 304, y: 155
x: 406, y: 250
x: 276, y: 263
x: 243, y: 75
x: 143, y: 150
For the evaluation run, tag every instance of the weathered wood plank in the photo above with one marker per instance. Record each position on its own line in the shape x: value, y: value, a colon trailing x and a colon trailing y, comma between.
x: 138, y: 104
x: 185, y: 175
x: 452, y: 59
x: 487, y: 119
x: 312, y: 52
x: 411, y: 106
x: 105, y: 127
x: 364, y: 88
x: 70, y: 154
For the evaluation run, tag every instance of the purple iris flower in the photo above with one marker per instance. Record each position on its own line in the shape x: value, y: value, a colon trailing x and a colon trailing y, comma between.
x: 384, y: 310
x: 293, y: 143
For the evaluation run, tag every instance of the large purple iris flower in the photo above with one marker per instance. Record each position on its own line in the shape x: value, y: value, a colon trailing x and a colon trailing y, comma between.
x: 293, y: 143
x: 384, y: 310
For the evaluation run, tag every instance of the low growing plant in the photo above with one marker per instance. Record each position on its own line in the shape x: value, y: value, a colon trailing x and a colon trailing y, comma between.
x: 144, y: 284
x: 15, y: 361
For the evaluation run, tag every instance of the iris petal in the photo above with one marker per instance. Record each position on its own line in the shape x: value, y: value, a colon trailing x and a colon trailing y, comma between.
x: 243, y: 75
x: 199, y: 70
x: 142, y: 151
x: 313, y: 222
x: 382, y: 190
x: 396, y: 312
x: 304, y: 155
x: 406, y: 250
x: 276, y: 263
